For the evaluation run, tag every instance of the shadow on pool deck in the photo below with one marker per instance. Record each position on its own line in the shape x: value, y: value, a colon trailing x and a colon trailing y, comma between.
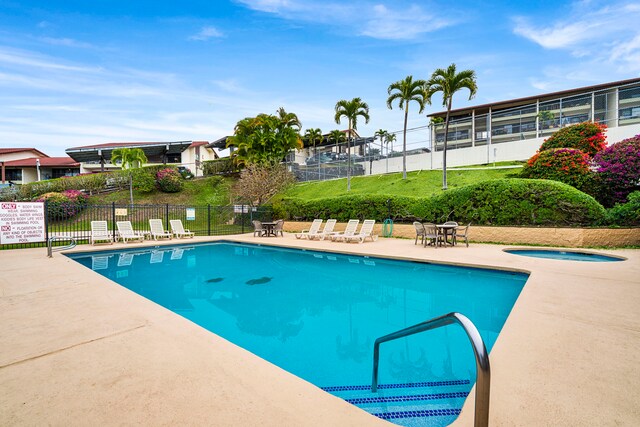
x: 75, y: 348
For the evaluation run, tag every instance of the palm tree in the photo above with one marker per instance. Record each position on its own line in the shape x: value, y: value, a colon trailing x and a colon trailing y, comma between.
x: 130, y: 158
x: 351, y: 110
x: 312, y: 135
x: 405, y: 91
x: 337, y: 136
x: 449, y: 82
x: 390, y: 139
x: 289, y: 119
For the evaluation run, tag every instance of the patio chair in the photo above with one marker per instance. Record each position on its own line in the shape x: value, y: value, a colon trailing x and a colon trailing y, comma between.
x: 326, y: 232
x: 461, y: 232
x: 126, y: 233
x: 352, y: 225
x: 178, y: 229
x: 315, y: 226
x: 157, y: 230
x: 258, y: 230
x: 278, y: 228
x: 366, y: 232
x: 100, y: 233
x: 419, y: 232
x: 431, y: 235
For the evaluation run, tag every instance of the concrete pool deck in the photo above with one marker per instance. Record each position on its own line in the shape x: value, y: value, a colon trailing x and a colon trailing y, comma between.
x: 76, y: 348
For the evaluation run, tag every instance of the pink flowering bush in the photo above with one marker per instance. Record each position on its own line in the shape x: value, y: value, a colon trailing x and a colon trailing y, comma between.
x: 618, y: 171
x: 567, y: 165
x: 61, y: 206
x: 588, y: 137
x: 169, y: 180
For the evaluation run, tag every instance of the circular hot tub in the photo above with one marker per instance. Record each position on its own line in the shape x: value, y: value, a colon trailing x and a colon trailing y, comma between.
x: 565, y: 255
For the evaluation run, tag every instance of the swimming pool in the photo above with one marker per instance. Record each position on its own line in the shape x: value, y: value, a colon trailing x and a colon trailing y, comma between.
x: 317, y: 315
x: 564, y: 255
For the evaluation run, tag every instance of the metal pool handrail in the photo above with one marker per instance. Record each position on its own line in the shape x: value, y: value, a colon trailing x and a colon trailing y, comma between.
x: 483, y: 371
x: 50, y: 247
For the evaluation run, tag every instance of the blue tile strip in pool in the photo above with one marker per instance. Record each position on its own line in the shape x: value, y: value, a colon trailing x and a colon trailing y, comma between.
x: 362, y: 400
x: 418, y: 414
x: 392, y: 386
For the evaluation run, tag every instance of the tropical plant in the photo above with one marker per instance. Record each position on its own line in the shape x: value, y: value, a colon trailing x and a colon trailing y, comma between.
x: 169, y: 180
x: 61, y: 206
x: 265, y: 139
x: 351, y: 110
x: 626, y: 214
x: 588, y: 137
x: 618, y: 171
x: 391, y: 138
x: 449, y: 82
x: 567, y: 165
x: 405, y: 91
x: 382, y: 134
x: 129, y: 158
x: 337, y: 136
x: 312, y: 136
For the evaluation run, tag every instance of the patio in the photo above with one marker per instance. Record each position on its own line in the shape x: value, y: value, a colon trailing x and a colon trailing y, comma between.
x: 77, y: 348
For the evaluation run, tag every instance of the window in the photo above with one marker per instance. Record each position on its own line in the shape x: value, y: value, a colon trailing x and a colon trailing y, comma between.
x: 13, y: 174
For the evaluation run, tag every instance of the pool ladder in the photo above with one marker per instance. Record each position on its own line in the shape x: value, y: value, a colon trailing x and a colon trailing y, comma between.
x: 51, y: 249
x: 483, y: 371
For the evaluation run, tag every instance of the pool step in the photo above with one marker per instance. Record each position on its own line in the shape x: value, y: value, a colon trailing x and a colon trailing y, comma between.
x: 408, y: 400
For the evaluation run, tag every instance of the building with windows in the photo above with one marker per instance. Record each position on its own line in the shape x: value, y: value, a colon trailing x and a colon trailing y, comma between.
x: 25, y: 165
x: 515, y: 129
x: 188, y: 154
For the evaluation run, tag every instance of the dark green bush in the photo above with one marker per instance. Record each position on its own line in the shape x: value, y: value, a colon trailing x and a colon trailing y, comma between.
x: 626, y: 214
x: 495, y: 202
x: 143, y: 179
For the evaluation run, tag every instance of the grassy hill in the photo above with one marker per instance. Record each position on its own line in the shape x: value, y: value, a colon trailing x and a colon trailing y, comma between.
x: 419, y: 183
x: 201, y: 191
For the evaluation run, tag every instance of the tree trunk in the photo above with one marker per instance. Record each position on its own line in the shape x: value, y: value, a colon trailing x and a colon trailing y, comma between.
x: 131, y: 187
x: 404, y: 143
x: 444, y: 151
x: 349, y: 159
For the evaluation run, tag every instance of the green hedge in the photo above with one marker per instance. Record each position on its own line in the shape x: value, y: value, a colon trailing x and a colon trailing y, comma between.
x: 494, y: 202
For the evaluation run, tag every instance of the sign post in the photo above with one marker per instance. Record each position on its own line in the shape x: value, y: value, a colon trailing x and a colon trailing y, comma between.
x: 22, y: 222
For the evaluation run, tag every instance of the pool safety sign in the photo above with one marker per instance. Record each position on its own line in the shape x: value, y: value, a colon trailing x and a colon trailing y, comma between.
x: 21, y: 222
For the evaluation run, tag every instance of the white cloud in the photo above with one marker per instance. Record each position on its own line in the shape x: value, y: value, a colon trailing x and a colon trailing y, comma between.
x: 207, y: 33
x: 365, y: 18
x: 66, y: 42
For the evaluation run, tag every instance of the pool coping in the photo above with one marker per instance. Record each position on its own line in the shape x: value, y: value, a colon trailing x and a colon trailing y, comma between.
x: 569, y: 320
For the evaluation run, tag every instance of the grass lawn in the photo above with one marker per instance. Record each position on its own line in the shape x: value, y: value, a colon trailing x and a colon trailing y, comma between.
x: 417, y: 184
x: 200, y: 191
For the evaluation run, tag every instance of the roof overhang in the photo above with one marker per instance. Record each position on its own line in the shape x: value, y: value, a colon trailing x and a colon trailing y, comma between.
x: 98, y: 153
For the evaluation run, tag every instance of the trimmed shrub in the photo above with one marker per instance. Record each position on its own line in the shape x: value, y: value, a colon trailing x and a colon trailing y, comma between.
x: 618, y: 171
x: 626, y: 214
x: 567, y: 165
x: 588, y: 137
x: 143, y: 180
x: 61, y: 206
x: 511, y: 201
x: 169, y: 180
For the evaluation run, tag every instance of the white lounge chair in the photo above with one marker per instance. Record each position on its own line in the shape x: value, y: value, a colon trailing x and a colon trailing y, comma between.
x: 126, y: 233
x: 157, y: 230
x: 352, y: 225
x: 178, y: 229
x: 315, y: 226
x: 326, y: 232
x: 366, y: 232
x: 100, y: 233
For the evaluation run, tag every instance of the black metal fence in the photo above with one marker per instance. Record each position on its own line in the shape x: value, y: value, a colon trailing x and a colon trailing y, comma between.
x: 202, y: 220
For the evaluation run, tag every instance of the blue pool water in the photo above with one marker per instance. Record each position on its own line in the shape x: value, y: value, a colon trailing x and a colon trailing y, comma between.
x: 317, y: 315
x: 563, y: 255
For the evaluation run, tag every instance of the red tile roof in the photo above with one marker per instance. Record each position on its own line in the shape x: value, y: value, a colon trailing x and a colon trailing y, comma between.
x: 20, y: 150
x: 198, y: 143
x: 66, y: 162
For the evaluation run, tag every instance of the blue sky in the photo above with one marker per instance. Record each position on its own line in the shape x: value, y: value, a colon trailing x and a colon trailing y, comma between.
x: 79, y: 72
